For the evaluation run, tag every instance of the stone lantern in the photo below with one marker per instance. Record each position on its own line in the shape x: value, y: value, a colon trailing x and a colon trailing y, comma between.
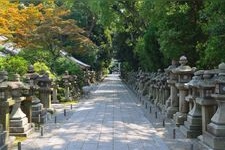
x: 172, y: 101
x: 92, y: 76
x: 75, y: 89
x: 87, y: 76
x: 4, y: 88
x: 192, y: 127
x: 206, y: 87
x: 66, y: 79
x: 44, y: 83
x: 149, y: 97
x: 4, y: 110
x: 138, y: 75
x: 55, y: 92
x: 141, y: 83
x: 154, y: 89
x: 4, y: 104
x: 158, y: 87
x: 39, y: 115
x: 19, y: 125
x: 166, y: 91
x: 214, y: 137
x: 146, y: 85
x: 3, y: 139
x: 184, y: 74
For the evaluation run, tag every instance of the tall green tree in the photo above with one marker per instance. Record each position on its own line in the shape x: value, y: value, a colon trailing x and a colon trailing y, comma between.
x: 88, y: 20
x: 123, y: 24
x: 148, y: 49
x: 213, y: 24
x: 178, y: 28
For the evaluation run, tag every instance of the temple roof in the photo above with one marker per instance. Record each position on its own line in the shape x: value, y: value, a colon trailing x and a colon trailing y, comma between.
x: 80, y: 63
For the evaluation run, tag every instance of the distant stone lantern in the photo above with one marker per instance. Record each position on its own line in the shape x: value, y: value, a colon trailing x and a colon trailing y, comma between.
x: 31, y: 76
x: 39, y: 114
x: 45, y: 84
x: 75, y: 89
x: 4, y: 94
x: 54, y: 92
x: 4, y: 113
x: 66, y: 79
x: 172, y: 102
x: 215, y: 134
x: 4, y: 103
x: 3, y: 138
x: 4, y: 89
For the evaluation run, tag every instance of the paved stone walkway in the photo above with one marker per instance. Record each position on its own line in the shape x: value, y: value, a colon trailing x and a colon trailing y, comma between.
x: 109, y: 120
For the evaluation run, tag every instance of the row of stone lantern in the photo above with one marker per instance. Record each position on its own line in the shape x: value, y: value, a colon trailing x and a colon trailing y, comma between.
x: 40, y: 95
x: 152, y: 85
x: 16, y: 120
x: 70, y: 84
x: 89, y: 77
x: 19, y: 105
x: 22, y: 103
x: 195, y: 101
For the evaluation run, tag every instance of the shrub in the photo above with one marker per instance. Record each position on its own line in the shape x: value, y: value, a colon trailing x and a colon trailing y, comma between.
x: 14, y: 64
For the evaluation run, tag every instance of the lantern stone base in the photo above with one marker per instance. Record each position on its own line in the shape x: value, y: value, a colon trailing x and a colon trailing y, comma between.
x: 201, y: 145
x: 171, y: 111
x: 216, y: 129
x: 3, y: 141
x: 55, y: 101
x: 192, y: 127
x: 37, y: 109
x: 179, y: 118
x: 161, y: 107
x: 213, y: 142
x: 20, y: 127
x: 43, y: 119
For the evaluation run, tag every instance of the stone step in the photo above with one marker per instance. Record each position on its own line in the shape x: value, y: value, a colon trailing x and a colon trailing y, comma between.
x: 19, y: 123
x: 3, y: 147
x: 20, y: 129
x: 190, y: 133
x: 3, y: 138
x: 36, y: 113
x: 43, y: 119
x: 37, y: 107
x: 27, y: 131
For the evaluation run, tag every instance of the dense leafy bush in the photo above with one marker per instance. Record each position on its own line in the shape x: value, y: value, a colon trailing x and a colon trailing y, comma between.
x: 14, y: 64
x: 63, y: 64
x: 40, y: 66
x: 37, y: 55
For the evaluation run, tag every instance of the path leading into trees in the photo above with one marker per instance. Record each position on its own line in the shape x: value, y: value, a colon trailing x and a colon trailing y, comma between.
x: 109, y: 120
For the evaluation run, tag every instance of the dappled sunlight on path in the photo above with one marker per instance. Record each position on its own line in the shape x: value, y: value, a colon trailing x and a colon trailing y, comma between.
x: 109, y: 120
